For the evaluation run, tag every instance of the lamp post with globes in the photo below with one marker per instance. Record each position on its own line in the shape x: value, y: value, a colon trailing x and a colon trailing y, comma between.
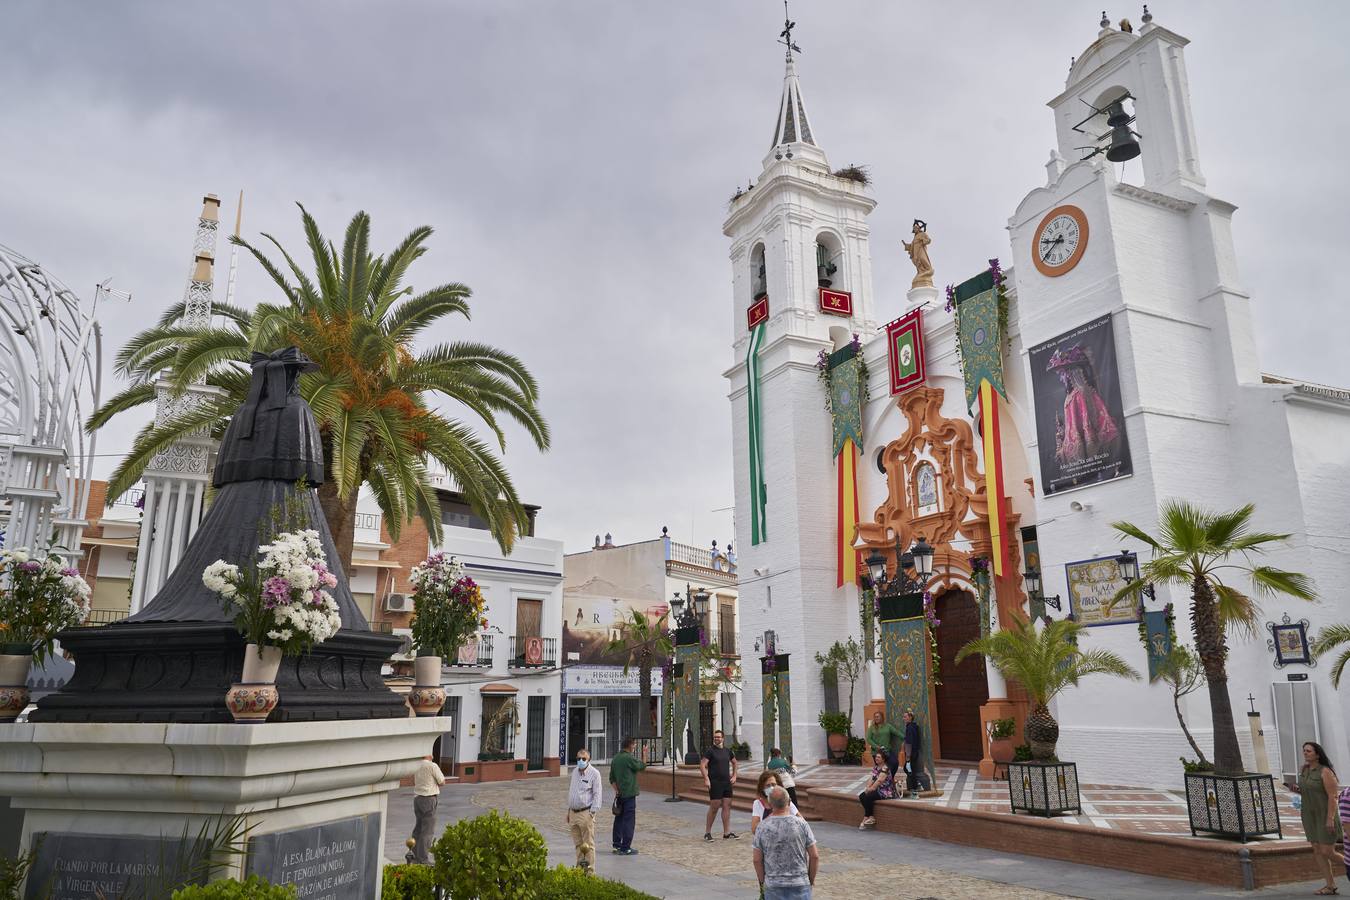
x: 919, y: 558
x: 688, y: 612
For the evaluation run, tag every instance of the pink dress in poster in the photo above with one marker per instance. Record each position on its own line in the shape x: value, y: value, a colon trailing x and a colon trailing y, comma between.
x: 1085, y: 429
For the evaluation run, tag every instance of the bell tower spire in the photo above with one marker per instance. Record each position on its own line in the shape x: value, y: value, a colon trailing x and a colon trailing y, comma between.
x: 792, y: 137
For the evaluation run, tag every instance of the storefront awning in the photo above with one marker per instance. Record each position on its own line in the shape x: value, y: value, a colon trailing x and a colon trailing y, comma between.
x: 498, y: 687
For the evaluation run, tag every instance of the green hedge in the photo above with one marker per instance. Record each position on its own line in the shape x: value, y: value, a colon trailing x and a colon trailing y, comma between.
x: 409, y: 882
x: 492, y: 857
x: 254, y: 888
x: 567, y: 883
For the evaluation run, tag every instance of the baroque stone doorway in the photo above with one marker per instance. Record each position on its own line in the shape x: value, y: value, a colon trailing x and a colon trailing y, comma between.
x: 963, y: 688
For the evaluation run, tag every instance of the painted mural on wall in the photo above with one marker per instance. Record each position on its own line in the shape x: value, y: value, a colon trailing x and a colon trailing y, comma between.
x: 1080, y: 426
x: 1092, y: 584
x: 592, y: 615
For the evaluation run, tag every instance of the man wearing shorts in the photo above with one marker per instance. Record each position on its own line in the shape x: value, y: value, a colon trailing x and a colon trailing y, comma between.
x: 719, y: 775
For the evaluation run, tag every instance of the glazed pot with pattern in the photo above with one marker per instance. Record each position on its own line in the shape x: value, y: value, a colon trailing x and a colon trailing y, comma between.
x: 252, y: 699
x: 15, y: 662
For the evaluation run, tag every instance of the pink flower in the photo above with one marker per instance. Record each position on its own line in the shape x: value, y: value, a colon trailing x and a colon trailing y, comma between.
x: 276, y: 591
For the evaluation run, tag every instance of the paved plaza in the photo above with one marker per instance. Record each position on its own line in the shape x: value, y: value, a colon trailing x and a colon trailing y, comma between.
x: 674, y: 863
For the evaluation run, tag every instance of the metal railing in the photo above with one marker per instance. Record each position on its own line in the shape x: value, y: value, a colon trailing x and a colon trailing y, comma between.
x: 104, y: 617
x: 369, y: 521
x: 134, y: 497
x: 520, y: 653
x: 482, y: 659
x: 650, y: 750
x: 703, y: 557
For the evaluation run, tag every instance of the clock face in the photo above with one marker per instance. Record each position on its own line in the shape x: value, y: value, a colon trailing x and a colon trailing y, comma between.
x: 1060, y: 240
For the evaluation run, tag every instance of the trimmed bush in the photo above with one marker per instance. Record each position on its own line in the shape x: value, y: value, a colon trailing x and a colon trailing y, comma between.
x: 255, y: 887
x: 567, y: 883
x: 491, y: 857
x: 409, y: 882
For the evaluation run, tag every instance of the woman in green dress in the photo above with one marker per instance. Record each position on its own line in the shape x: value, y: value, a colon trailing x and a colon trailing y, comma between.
x: 1321, y: 824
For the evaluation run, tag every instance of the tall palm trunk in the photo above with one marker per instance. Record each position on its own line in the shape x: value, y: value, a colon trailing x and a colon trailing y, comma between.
x: 340, y: 512
x: 1212, y: 647
x: 645, y: 691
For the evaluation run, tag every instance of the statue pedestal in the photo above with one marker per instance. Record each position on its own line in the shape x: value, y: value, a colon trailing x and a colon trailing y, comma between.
x: 919, y: 296
x: 110, y: 803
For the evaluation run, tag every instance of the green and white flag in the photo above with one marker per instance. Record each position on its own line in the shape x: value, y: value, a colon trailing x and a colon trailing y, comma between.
x: 759, y: 528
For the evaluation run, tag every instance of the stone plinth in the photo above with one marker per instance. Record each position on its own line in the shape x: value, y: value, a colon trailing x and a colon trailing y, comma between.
x: 121, y: 781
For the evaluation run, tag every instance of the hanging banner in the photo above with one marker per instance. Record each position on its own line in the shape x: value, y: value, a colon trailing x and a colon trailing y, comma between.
x: 979, y: 334
x: 838, y: 302
x: 1080, y: 426
x: 993, y: 475
x: 846, y: 376
x: 758, y: 312
x: 758, y: 519
x: 1158, y: 640
x: 904, y: 343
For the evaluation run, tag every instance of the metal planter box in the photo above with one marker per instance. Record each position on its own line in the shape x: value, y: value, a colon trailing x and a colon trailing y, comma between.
x: 1043, y: 788
x: 1239, y: 806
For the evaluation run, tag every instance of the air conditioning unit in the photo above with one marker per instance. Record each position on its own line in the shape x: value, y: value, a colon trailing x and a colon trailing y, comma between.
x: 397, y: 603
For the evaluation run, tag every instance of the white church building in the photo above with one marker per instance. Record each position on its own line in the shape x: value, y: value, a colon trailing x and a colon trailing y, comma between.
x: 1131, y: 286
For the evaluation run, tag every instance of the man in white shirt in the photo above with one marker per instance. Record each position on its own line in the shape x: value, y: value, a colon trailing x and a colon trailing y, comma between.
x: 427, y: 781
x: 583, y: 802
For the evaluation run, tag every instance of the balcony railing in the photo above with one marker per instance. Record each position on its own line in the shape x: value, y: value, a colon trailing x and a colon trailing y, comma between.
x: 526, y: 654
x: 368, y: 521
x: 474, y: 654
x: 104, y: 617
x: 650, y: 750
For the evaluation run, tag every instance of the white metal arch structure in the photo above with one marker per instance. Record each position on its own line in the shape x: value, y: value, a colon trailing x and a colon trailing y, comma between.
x: 51, y: 359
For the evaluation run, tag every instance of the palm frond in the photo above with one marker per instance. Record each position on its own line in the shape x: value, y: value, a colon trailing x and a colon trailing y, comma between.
x: 1328, y: 639
x: 1237, y: 613
x: 1269, y: 581
x: 127, y: 399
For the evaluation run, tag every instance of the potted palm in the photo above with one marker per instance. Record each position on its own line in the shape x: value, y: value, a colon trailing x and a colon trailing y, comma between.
x: 1045, y: 659
x: 1200, y: 551
x: 837, y: 728
x: 448, y: 610
x: 40, y: 595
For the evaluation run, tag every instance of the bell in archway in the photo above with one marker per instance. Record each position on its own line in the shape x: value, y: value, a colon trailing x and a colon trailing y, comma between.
x: 1124, y: 142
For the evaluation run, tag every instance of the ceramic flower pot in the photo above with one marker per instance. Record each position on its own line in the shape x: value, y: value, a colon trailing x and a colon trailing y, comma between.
x: 1001, y: 750
x: 837, y: 744
x: 427, y: 700
x: 427, y: 671
x: 250, y: 704
x: 14, y: 666
x: 260, y: 664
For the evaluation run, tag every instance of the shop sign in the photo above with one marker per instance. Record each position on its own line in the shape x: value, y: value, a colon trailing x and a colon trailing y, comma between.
x: 607, y: 680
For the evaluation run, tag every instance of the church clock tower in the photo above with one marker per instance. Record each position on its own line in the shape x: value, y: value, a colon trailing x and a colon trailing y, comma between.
x: 802, y: 284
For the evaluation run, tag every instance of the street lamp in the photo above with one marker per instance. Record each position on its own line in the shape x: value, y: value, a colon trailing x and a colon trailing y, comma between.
x: 690, y: 614
x: 1032, y: 578
x: 1129, y: 571
x: 919, y: 558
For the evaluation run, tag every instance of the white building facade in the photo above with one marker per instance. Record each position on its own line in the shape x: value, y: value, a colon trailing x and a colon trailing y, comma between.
x: 1153, y: 269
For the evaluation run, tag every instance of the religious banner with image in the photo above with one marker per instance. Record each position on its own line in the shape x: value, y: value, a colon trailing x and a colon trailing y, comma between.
x: 1157, y: 640
x: 1080, y: 425
x: 1092, y: 584
x: 904, y: 343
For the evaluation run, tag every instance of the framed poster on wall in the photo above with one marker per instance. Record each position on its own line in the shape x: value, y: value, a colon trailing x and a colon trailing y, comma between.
x: 1080, y: 425
x: 1092, y: 584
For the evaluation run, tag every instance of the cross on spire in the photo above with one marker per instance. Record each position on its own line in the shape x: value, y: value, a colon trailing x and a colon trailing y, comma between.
x: 785, y: 37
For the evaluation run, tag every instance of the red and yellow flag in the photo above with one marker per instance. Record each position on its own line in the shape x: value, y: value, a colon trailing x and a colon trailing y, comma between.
x: 846, y: 464
x: 993, y: 474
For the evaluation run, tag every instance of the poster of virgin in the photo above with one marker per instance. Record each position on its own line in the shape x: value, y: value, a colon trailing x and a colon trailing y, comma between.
x: 1080, y: 428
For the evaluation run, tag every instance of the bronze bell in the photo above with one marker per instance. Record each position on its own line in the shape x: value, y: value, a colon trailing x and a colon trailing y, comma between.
x: 1124, y: 142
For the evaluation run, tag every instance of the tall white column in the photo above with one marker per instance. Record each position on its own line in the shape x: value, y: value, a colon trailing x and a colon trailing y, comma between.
x: 155, y: 576
x: 143, y: 543
x: 180, y: 513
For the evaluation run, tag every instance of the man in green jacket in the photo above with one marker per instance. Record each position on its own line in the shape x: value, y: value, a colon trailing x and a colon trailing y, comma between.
x: 884, y: 738
x: 623, y: 771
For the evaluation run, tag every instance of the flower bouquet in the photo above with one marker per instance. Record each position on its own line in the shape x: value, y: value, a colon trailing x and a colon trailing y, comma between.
x: 281, y: 606
x: 448, y: 610
x: 40, y: 596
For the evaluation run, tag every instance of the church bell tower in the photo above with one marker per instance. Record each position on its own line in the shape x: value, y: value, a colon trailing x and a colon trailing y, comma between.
x: 802, y: 285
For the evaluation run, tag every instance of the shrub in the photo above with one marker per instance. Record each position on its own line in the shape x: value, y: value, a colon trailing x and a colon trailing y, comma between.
x: 1001, y: 729
x: 566, y: 883
x: 409, y: 882
x: 1022, y: 753
x: 835, y: 723
x: 1196, y: 765
x: 492, y: 857
x: 255, y: 887
x: 855, y: 750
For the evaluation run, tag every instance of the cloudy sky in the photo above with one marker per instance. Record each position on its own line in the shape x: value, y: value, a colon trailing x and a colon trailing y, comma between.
x: 575, y: 160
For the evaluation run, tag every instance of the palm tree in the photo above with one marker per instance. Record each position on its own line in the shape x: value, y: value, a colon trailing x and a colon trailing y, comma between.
x: 373, y: 395
x: 643, y: 642
x: 1195, y: 548
x: 1044, y: 659
x: 1329, y: 639
x: 1182, y: 671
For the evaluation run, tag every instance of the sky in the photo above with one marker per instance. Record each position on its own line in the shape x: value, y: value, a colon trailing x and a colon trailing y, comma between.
x: 576, y: 161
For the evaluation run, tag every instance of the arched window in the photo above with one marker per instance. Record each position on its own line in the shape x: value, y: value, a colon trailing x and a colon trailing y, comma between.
x: 759, y: 281
x: 926, y: 492
x: 828, y: 255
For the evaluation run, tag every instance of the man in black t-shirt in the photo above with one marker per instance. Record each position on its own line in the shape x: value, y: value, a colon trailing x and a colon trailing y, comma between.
x: 719, y: 775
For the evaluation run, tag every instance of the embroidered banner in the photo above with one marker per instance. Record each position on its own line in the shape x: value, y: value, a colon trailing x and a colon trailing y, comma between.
x: 758, y: 312
x: 838, y: 302
x: 904, y: 342
x: 1159, y: 641
x: 846, y: 387
x: 759, y: 525
x: 979, y: 334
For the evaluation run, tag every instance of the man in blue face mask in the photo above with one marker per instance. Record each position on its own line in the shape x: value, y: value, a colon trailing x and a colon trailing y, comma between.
x: 583, y: 802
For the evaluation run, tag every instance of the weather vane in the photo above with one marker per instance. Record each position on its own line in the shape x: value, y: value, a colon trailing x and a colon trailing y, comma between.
x: 786, y: 37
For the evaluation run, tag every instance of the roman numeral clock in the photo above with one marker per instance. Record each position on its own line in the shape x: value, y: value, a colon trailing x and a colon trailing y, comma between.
x: 1059, y: 241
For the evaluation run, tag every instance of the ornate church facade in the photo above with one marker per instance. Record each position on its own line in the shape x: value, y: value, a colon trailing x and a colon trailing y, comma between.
x: 1115, y: 369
